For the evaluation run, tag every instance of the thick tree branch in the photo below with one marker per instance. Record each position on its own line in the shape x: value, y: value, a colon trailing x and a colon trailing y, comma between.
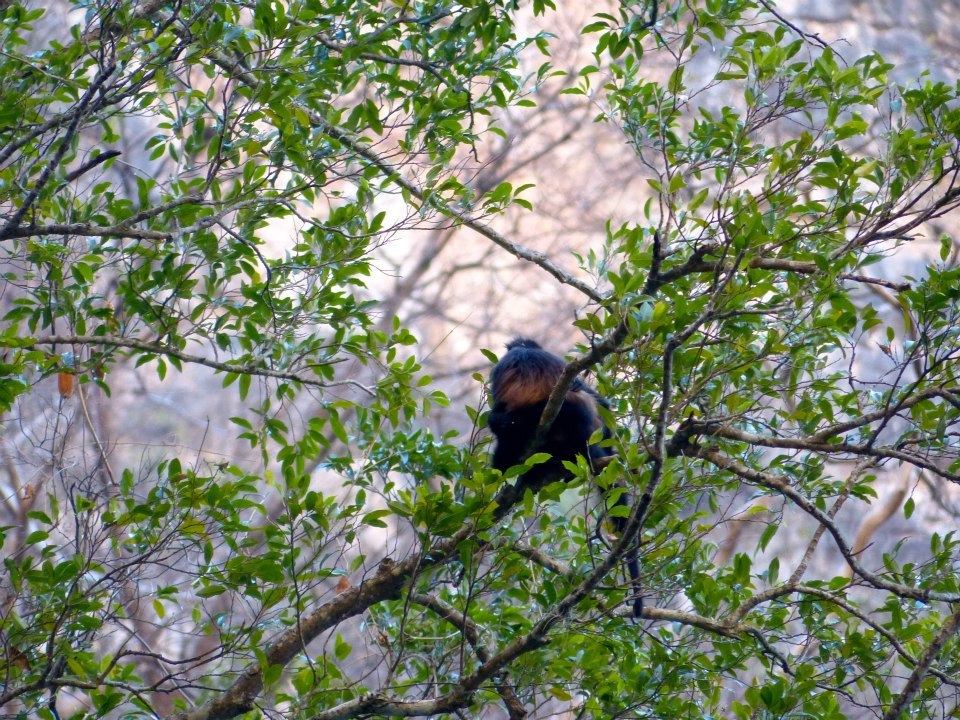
x: 89, y: 230
x: 470, y: 633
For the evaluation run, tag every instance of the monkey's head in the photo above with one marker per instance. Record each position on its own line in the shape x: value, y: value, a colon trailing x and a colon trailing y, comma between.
x: 525, y: 376
x: 522, y: 342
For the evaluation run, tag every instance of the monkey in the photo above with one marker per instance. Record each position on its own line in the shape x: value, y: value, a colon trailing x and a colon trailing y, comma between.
x: 520, y: 385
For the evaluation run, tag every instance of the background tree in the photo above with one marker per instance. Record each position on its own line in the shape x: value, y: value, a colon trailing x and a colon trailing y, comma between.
x: 230, y: 485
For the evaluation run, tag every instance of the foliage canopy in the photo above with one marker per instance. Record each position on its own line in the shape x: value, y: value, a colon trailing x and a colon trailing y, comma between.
x: 203, y: 189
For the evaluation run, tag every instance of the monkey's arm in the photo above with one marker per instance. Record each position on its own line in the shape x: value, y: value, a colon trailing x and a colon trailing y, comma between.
x: 513, y: 430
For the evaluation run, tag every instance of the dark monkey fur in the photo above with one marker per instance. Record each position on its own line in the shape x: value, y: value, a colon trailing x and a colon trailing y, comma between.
x: 521, y: 384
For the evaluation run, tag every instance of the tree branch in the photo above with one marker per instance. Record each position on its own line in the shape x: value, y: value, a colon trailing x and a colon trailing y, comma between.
x: 778, y: 484
x: 157, y: 348
x: 949, y: 629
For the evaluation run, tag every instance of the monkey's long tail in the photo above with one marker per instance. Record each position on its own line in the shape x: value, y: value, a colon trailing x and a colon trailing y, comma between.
x: 633, y: 568
x: 632, y: 561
